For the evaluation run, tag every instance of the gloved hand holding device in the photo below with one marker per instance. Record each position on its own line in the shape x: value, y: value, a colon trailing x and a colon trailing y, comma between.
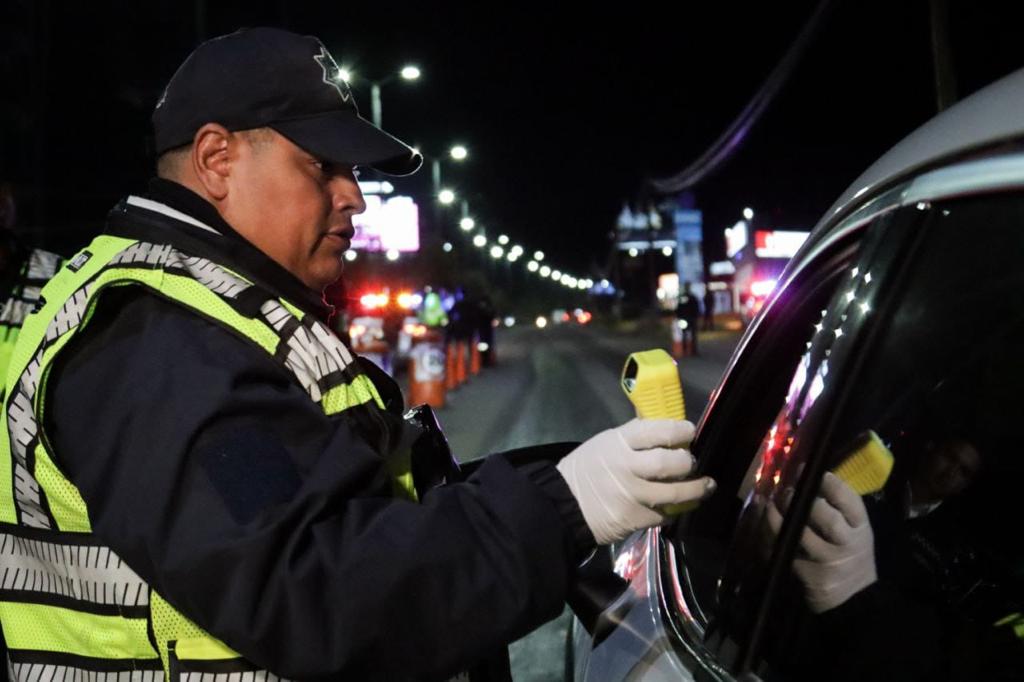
x: 838, y: 546
x: 623, y: 478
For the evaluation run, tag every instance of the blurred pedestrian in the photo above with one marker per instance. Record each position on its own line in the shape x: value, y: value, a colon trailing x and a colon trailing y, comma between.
x: 709, y: 308
x: 687, y: 316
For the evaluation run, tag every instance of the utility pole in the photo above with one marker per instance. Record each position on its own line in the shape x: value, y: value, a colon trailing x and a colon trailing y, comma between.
x: 942, y: 58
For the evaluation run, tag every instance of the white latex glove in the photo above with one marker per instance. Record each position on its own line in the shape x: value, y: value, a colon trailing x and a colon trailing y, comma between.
x: 622, y: 476
x: 838, y: 546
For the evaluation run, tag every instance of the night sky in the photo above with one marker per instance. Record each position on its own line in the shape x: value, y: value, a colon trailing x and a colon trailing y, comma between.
x: 565, y: 111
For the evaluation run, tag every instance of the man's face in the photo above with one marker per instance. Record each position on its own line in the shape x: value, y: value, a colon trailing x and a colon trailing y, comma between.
x: 294, y: 207
x: 950, y: 467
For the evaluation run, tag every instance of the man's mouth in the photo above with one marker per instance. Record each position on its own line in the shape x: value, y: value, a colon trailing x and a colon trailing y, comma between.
x: 342, y: 236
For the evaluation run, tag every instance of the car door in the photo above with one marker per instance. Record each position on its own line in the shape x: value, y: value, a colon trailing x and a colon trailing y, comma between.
x: 917, y: 352
x: 716, y: 561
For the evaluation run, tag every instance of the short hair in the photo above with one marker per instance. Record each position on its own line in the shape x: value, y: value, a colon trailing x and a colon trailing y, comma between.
x: 168, y: 164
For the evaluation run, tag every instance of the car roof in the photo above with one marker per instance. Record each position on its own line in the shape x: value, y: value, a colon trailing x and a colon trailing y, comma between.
x: 989, y: 116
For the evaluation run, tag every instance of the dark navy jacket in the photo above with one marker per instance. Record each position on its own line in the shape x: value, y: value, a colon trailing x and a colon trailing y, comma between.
x: 211, y: 473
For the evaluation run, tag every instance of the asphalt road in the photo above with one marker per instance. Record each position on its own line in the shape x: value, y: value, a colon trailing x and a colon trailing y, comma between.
x: 560, y: 384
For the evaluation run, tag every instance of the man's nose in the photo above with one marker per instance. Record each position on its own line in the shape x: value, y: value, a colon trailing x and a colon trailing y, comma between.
x: 347, y: 195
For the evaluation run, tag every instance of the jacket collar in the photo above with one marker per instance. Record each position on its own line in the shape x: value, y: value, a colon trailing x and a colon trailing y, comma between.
x: 187, y: 216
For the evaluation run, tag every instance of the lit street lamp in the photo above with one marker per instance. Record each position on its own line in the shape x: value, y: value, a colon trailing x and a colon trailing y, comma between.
x: 409, y: 73
x: 457, y: 153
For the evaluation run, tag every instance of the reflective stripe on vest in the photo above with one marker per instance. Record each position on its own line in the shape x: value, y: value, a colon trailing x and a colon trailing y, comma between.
x: 68, y: 605
x: 21, y: 300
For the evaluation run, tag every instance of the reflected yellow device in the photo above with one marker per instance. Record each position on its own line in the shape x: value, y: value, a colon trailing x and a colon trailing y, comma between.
x: 650, y: 379
x: 867, y: 467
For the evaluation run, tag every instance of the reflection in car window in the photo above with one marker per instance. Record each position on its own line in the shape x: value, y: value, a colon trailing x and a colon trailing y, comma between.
x: 923, y: 579
x: 708, y: 541
x: 779, y: 460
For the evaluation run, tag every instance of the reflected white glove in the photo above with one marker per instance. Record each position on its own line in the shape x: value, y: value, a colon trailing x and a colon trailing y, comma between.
x: 621, y: 476
x: 838, y: 546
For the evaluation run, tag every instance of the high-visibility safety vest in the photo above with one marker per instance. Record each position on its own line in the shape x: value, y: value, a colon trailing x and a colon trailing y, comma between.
x: 16, y: 304
x: 71, y: 609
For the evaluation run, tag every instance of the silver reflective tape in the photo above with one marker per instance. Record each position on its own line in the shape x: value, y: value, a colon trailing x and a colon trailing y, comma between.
x: 21, y: 425
x: 29, y: 498
x: 212, y: 276
x: 30, y: 377
x: 94, y: 574
x: 275, y: 314
x: 249, y: 676
x: 43, y: 672
x: 70, y: 314
x: 298, y: 366
x: 145, y: 253
x: 15, y: 310
x: 320, y: 362
x: 332, y: 344
x: 42, y: 264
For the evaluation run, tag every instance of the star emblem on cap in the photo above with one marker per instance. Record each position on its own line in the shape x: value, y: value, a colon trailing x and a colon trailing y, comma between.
x: 332, y: 74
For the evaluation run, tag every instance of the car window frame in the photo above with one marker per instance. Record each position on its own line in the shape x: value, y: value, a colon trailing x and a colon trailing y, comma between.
x: 999, y: 174
x: 833, y: 256
x: 818, y: 428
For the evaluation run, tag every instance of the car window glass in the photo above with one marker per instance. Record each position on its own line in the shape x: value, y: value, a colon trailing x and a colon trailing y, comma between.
x: 716, y: 549
x: 923, y: 578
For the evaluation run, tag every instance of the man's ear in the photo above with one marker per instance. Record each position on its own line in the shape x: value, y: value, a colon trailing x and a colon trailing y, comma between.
x: 212, y: 154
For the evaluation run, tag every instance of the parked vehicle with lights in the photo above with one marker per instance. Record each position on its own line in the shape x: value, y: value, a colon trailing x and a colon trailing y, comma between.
x: 895, y: 330
x: 383, y: 317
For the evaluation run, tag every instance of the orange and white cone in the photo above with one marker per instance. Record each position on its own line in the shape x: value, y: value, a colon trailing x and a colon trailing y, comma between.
x: 427, y: 364
x: 474, y: 356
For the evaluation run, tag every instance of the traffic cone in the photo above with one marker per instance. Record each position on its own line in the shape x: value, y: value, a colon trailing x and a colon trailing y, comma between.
x: 460, y: 363
x: 427, y: 375
x: 677, y: 339
x: 451, y: 380
x: 474, y: 356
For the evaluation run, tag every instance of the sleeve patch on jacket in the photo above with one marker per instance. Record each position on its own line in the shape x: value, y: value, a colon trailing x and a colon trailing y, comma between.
x: 251, y: 470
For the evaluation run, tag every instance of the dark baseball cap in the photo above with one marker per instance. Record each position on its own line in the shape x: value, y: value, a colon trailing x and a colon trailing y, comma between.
x: 268, y: 77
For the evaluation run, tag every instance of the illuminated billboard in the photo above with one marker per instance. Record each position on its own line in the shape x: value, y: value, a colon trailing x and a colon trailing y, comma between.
x: 388, y: 223
x: 778, y: 243
x: 735, y: 239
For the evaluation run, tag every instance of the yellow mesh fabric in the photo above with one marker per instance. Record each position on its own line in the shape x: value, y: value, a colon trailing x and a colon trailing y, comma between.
x: 52, y: 628
x: 8, y: 336
x: 357, y: 392
x: 294, y: 310
x: 192, y: 293
x: 66, y: 503
x: 33, y: 331
x: 170, y: 626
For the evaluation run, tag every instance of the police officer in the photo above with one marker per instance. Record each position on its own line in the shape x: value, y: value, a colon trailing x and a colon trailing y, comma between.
x: 202, y: 479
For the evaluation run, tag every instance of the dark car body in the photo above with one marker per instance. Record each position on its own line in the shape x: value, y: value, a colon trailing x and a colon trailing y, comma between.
x: 902, y: 314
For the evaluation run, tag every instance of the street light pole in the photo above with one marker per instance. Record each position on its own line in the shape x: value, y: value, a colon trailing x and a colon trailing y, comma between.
x: 435, y: 175
x: 375, y: 103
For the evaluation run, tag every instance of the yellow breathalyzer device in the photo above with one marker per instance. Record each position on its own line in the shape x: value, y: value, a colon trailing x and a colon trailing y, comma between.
x: 650, y: 379
x: 868, y: 465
